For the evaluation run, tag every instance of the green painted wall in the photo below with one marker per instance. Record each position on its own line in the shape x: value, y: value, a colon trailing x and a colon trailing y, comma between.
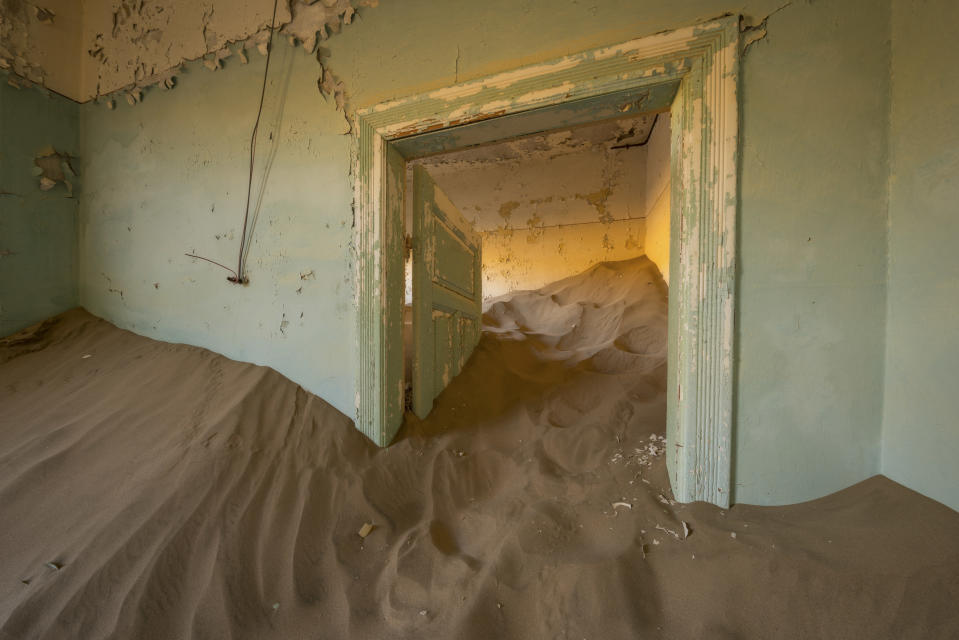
x: 38, y: 275
x: 813, y: 245
x: 921, y: 419
x: 169, y: 175
x: 813, y: 212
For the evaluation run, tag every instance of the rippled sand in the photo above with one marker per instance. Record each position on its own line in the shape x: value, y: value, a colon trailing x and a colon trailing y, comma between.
x: 150, y: 490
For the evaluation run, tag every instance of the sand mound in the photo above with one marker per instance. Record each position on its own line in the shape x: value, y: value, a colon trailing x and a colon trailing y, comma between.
x: 150, y: 490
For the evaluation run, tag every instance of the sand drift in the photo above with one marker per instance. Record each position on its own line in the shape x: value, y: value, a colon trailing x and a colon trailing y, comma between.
x: 151, y: 490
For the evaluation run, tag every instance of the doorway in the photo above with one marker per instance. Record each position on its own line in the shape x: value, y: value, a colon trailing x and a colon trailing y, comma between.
x: 693, y: 74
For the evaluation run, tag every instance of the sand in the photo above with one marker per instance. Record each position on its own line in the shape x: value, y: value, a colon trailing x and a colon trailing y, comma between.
x: 151, y: 490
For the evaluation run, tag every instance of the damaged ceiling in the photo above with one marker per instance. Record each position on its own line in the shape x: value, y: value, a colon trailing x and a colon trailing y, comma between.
x: 589, y: 167
x: 119, y: 48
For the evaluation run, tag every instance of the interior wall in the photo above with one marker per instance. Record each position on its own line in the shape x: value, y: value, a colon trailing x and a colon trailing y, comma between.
x: 812, y: 240
x: 920, y: 425
x: 38, y: 276
x: 658, y: 195
x: 527, y: 259
x: 169, y: 176
x: 812, y: 215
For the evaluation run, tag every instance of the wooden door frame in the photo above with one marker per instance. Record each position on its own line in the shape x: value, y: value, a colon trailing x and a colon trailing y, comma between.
x: 704, y: 60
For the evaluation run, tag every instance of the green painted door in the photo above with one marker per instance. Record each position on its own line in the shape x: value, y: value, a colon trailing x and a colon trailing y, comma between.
x: 447, y: 291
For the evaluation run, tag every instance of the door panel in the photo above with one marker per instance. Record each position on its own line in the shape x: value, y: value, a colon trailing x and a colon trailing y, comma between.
x: 447, y: 291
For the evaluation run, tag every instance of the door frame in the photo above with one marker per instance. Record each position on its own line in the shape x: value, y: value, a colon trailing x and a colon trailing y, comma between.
x: 704, y: 60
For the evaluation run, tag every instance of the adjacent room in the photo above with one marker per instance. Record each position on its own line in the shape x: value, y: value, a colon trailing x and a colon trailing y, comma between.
x: 382, y: 319
x: 545, y: 211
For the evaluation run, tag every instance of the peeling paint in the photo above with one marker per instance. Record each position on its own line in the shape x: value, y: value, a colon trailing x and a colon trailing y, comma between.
x: 132, y: 45
x: 753, y: 33
x: 54, y: 167
x: 16, y: 44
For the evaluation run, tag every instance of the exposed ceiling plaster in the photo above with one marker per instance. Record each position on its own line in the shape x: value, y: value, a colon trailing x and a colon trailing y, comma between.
x: 126, y: 46
x: 570, y: 176
x: 622, y: 132
x: 16, y: 18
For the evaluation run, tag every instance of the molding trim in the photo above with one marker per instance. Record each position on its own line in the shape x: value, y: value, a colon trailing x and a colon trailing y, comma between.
x: 704, y: 60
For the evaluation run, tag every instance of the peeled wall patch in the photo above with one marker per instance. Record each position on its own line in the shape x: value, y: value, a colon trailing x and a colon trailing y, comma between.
x: 597, y: 200
x: 751, y: 34
x: 54, y: 167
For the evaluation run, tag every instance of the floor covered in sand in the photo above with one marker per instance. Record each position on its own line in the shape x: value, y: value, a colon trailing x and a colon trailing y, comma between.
x: 152, y: 490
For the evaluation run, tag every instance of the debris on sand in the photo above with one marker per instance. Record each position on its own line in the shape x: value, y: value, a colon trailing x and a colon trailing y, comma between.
x: 365, y: 530
x: 667, y: 531
x: 665, y: 500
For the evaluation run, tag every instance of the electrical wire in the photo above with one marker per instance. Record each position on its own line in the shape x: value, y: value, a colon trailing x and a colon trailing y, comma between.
x: 238, y: 276
x: 241, y: 278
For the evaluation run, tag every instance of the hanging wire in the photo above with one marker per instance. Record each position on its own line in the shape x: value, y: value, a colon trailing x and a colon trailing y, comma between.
x: 239, y: 277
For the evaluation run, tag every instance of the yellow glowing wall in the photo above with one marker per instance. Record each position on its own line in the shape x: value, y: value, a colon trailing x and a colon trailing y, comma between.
x: 657, y: 233
x: 657, y: 195
x: 518, y: 259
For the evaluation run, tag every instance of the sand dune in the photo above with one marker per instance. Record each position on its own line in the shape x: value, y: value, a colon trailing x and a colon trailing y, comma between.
x: 150, y: 490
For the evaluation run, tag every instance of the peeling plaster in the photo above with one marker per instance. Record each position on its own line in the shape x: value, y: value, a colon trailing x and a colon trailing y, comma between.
x: 16, y: 17
x: 596, y: 185
x: 54, y: 167
x: 753, y: 33
x: 149, y: 41
x: 125, y: 47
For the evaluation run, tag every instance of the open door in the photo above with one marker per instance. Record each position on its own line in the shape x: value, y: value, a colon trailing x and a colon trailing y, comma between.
x: 447, y: 291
